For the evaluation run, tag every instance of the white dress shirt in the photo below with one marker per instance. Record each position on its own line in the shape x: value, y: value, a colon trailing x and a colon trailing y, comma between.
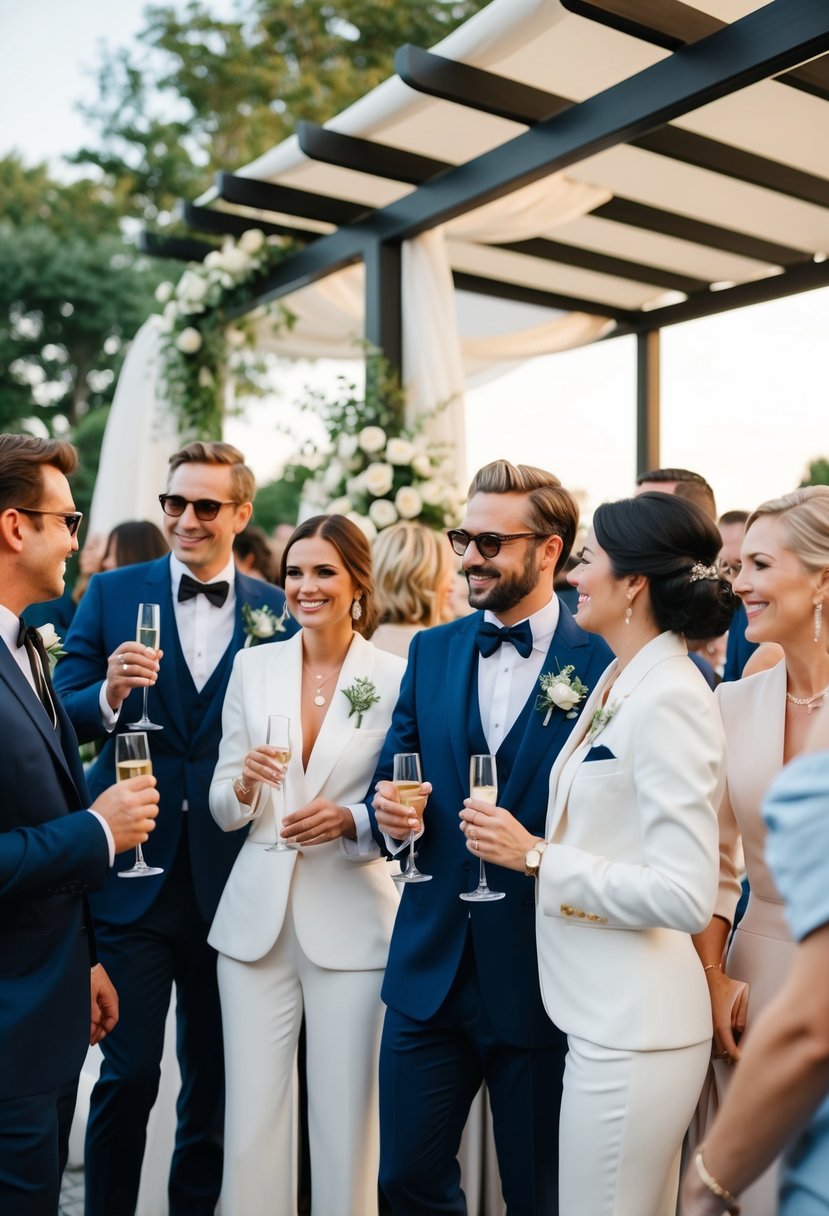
x: 204, y: 630
x: 506, y: 680
x: 9, y: 629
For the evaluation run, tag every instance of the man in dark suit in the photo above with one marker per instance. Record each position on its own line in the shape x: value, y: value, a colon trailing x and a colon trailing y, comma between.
x: 461, y: 983
x: 49, y: 857
x: 152, y: 932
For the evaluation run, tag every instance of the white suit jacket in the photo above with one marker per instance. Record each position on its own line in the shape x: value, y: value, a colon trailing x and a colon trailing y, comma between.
x: 633, y: 865
x: 343, y: 910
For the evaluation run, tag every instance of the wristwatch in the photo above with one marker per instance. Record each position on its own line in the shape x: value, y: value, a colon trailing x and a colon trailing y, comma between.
x: 532, y: 859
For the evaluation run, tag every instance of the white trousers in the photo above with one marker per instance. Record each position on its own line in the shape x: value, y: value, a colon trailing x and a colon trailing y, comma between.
x: 623, y: 1118
x: 262, y: 1006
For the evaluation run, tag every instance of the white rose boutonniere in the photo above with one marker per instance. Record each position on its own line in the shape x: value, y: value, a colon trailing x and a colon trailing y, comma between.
x: 600, y: 719
x: 52, y: 644
x: 261, y: 623
x: 560, y: 690
x: 361, y: 695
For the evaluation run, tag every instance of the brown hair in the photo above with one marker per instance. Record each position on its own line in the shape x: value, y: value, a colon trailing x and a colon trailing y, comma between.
x: 21, y: 457
x: 551, y: 510
x: 242, y: 481
x: 137, y: 540
x: 355, y: 551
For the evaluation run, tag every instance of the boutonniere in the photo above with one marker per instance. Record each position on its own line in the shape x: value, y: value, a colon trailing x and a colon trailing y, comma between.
x: 600, y: 719
x: 560, y: 690
x: 52, y: 644
x: 261, y: 623
x: 361, y: 696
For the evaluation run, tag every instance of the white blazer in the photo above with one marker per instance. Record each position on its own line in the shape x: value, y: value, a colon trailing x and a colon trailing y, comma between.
x: 632, y: 868
x: 343, y: 910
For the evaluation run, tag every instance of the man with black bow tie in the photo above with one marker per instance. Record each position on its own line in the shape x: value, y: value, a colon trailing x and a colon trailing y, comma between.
x: 153, y: 932
x: 50, y: 856
x: 461, y: 986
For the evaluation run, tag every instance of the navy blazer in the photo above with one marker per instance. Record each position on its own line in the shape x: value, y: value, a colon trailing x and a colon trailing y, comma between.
x: 184, y: 753
x: 49, y: 858
x: 432, y: 718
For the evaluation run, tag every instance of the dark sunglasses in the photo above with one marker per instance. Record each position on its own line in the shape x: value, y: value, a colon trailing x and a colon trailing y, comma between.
x: 205, y: 508
x: 72, y: 519
x: 488, y: 544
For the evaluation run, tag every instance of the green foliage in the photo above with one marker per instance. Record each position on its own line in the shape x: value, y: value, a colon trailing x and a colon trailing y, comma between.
x: 203, y: 94
x: 817, y: 473
x: 278, y: 501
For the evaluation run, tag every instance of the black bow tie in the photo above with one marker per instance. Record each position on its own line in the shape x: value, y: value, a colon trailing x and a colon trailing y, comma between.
x: 490, y: 637
x: 189, y: 587
x: 25, y: 631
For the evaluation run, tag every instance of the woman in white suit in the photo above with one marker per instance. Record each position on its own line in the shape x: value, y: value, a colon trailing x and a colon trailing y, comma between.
x: 628, y: 869
x: 306, y: 930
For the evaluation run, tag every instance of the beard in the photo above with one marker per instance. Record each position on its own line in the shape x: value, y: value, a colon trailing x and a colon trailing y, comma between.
x: 510, y: 588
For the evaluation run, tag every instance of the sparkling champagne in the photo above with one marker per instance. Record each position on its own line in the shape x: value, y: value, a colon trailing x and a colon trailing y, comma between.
x: 125, y: 769
x: 282, y: 756
x: 409, y: 796
x: 485, y: 793
x: 148, y: 637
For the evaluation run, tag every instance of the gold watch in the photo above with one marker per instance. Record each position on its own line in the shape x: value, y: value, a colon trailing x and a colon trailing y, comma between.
x: 532, y: 859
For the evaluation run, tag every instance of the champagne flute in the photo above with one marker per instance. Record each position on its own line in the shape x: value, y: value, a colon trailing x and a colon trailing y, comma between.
x: 407, y: 778
x: 132, y: 759
x: 278, y: 736
x: 483, y: 785
x: 148, y: 633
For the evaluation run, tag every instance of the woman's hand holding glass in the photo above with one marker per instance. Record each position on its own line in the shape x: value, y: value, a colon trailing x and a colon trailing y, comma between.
x: 493, y: 834
x: 394, y: 818
x: 317, y: 823
x: 260, y: 768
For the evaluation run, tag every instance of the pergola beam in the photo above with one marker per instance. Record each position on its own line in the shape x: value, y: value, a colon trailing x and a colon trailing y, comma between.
x: 228, y: 223
x: 265, y: 196
x: 366, y: 156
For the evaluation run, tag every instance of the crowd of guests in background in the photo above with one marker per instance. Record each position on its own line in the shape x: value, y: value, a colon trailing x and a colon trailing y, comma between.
x: 591, y: 935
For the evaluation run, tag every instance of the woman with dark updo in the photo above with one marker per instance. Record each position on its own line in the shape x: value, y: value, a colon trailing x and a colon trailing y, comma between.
x: 628, y: 867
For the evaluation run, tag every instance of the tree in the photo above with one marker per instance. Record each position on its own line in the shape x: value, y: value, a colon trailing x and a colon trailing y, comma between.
x: 817, y: 473
x: 205, y: 94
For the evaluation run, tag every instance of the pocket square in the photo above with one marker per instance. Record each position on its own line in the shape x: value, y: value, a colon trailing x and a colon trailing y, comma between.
x: 600, y: 752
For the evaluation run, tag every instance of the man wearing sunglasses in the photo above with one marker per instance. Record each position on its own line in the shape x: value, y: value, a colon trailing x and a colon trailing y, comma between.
x: 153, y: 932
x: 461, y: 985
x: 49, y: 856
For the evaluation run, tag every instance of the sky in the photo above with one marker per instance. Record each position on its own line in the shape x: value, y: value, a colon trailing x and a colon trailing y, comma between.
x: 745, y: 395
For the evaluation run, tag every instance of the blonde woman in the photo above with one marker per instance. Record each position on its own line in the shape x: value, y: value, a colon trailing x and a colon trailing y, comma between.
x: 784, y: 585
x: 414, y: 580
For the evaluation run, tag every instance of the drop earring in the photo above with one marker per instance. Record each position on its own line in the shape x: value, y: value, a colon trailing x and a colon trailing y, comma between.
x: 356, y: 609
x: 818, y: 619
x: 628, y: 612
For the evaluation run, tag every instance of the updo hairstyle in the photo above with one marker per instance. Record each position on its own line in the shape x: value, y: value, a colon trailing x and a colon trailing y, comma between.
x: 355, y: 551
x: 674, y: 544
x: 410, y: 564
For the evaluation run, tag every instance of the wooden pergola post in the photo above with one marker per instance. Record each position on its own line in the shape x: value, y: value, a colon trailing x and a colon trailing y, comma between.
x: 647, y: 400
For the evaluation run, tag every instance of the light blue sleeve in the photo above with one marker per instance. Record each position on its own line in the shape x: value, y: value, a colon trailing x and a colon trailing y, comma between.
x: 796, y: 811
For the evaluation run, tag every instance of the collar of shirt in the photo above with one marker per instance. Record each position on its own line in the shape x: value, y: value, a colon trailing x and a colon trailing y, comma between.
x: 9, y: 628
x: 178, y: 568
x: 506, y: 681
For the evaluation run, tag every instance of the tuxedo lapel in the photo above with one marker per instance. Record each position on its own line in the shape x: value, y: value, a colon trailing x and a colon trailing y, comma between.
x: 461, y: 687
x: 560, y: 781
x: 541, y: 744
x: 158, y: 590
x: 20, y: 688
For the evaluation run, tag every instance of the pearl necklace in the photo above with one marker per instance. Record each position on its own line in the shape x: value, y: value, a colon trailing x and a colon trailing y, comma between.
x: 808, y: 701
x: 319, y: 699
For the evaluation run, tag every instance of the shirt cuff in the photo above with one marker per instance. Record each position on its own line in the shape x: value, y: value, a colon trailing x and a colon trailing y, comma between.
x: 108, y: 833
x: 365, y: 845
x: 109, y: 716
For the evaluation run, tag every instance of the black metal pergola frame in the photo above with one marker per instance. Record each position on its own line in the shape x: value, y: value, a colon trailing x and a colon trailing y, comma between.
x: 767, y: 43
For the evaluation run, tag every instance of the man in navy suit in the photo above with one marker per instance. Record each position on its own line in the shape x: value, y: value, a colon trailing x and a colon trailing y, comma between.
x: 461, y: 986
x: 152, y: 931
x: 49, y: 857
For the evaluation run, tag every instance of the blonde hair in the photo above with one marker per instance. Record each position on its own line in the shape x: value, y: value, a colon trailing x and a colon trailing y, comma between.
x: 804, y: 514
x: 410, y: 562
x: 551, y: 510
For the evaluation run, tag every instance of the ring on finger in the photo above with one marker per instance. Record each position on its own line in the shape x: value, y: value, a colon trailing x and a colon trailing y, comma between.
x: 474, y: 832
x: 474, y: 842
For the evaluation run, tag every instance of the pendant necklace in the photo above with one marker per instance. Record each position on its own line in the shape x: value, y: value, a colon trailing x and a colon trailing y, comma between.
x: 319, y: 699
x: 809, y: 701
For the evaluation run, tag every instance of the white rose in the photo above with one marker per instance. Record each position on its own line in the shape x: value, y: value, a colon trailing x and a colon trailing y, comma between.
x: 189, y: 341
x: 372, y: 439
x: 333, y: 476
x: 313, y: 493
x: 262, y: 623
x: 192, y: 287
x: 378, y: 479
x: 408, y: 502
x: 235, y: 337
x: 234, y: 260
x: 341, y: 506
x: 49, y: 635
x: 355, y: 486
x: 382, y: 513
x: 164, y: 291
x: 346, y: 445
x: 422, y: 465
x: 432, y: 492
x: 252, y: 240
x: 563, y: 696
x: 213, y: 261
x: 399, y: 451
x: 170, y: 311
x: 364, y: 524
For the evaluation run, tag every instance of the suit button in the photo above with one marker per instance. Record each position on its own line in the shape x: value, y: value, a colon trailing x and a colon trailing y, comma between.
x: 580, y: 913
x: 566, y: 909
